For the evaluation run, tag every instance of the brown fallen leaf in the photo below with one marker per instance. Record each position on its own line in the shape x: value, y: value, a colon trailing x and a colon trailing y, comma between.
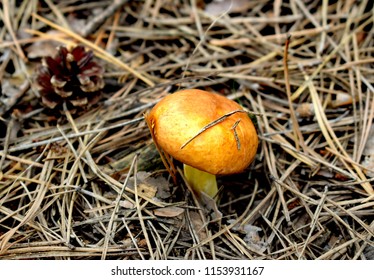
x: 198, y: 225
x: 43, y: 48
x: 168, y: 212
x: 159, y: 183
x: 145, y: 187
x: 305, y: 110
x: 126, y: 204
x: 252, y: 237
x: 210, y: 207
x: 146, y: 190
x: 11, y: 92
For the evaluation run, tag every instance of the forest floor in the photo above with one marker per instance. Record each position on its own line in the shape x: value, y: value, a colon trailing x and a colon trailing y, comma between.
x: 88, y: 183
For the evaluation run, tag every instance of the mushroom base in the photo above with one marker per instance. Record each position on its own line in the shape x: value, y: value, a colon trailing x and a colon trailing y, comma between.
x: 201, y: 181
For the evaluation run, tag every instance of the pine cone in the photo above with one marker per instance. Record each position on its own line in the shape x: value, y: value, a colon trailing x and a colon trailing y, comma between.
x: 71, y: 77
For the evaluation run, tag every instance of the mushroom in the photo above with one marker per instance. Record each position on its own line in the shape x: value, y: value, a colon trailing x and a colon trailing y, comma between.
x: 211, y: 134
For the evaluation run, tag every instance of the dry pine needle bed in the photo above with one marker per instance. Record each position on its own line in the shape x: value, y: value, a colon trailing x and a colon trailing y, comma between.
x: 81, y: 178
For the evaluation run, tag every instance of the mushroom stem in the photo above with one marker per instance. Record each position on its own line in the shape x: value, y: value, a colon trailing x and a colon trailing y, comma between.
x: 201, y: 181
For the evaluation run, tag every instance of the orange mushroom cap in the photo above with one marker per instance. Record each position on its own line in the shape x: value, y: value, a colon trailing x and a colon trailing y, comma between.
x: 226, y: 147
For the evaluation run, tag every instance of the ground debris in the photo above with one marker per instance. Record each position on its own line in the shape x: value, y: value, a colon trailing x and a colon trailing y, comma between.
x: 93, y: 186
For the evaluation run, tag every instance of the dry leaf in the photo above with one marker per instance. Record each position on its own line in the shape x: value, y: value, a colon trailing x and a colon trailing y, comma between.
x: 305, y: 110
x: 252, y: 237
x: 146, y: 190
x: 210, y: 207
x: 127, y: 204
x: 149, y: 186
x: 127, y: 242
x: 160, y: 183
x: 198, y: 225
x: 169, y: 212
x: 142, y: 243
x: 11, y: 91
x: 43, y: 48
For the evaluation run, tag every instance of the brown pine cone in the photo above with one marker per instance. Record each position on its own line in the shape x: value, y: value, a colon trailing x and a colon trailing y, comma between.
x: 72, y: 77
